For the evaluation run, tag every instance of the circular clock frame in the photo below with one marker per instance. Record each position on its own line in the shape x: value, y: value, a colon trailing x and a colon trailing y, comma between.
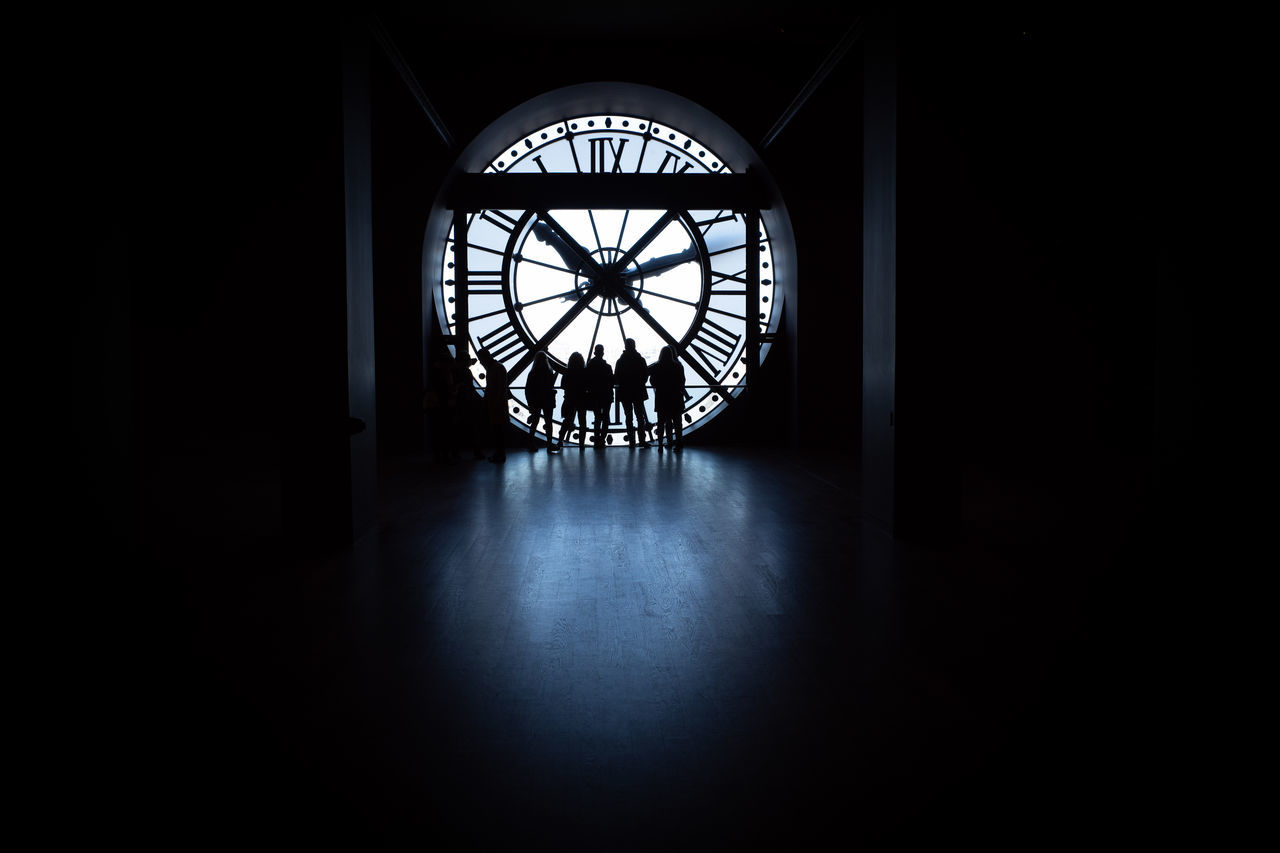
x: 674, y: 132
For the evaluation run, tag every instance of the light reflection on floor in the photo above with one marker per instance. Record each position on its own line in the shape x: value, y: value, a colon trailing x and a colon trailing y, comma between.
x: 611, y: 616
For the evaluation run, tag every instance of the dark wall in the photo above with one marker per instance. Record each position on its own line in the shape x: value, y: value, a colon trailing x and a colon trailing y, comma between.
x: 219, y: 187
x: 817, y: 162
x: 410, y: 164
x: 1038, y: 291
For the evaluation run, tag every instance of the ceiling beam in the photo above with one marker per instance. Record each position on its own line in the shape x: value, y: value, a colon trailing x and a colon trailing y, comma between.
x: 536, y: 191
x: 383, y: 38
x: 837, y: 53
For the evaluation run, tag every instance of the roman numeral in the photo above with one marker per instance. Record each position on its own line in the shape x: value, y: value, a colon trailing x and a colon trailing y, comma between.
x: 705, y: 224
x: 715, y: 344
x: 727, y: 249
x: 606, y: 156
x: 503, y: 342
x: 500, y: 219
x: 719, y: 278
x: 484, y: 281
x: 674, y: 161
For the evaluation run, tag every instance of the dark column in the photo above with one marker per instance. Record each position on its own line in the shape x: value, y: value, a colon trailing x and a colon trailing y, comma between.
x: 361, y: 398
x: 751, y: 230
x: 879, y: 270
x: 911, y: 474
x: 461, y: 274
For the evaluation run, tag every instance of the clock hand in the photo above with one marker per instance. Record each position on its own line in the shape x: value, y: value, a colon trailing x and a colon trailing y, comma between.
x: 543, y: 232
x: 568, y: 295
x: 664, y: 263
x: 582, y: 263
x: 571, y: 268
x: 565, y: 296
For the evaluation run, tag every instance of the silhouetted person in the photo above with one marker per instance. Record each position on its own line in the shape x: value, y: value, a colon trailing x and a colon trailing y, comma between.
x: 600, y: 393
x: 630, y: 374
x: 496, y: 388
x: 667, y: 379
x: 470, y: 419
x: 574, y: 384
x: 540, y: 388
x: 440, y: 403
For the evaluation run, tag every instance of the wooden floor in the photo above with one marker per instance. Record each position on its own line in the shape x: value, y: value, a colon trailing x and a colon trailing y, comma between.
x: 624, y: 650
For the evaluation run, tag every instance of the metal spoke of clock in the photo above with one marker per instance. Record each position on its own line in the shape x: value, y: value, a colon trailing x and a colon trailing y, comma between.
x: 693, y: 304
x: 661, y: 296
x: 595, y: 232
x: 574, y: 246
x: 561, y: 295
x: 649, y: 236
x: 626, y: 214
x: 618, y: 315
x: 488, y: 314
x: 596, y: 331
x: 479, y: 248
x: 707, y: 223
x: 666, y: 336
x: 554, y: 332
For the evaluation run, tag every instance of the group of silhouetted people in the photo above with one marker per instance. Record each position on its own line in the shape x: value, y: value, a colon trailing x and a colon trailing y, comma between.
x: 589, y: 386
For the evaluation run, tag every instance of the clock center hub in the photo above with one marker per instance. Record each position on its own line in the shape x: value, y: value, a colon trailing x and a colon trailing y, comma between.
x: 613, y: 285
x: 610, y: 284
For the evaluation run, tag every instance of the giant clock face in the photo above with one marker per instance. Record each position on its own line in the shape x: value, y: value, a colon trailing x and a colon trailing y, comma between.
x: 565, y: 281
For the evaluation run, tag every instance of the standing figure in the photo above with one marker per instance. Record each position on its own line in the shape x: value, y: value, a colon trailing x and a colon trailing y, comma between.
x: 440, y: 403
x: 600, y: 393
x: 667, y: 379
x: 574, y: 384
x: 541, y: 392
x: 471, y: 419
x: 630, y: 375
x: 496, y: 389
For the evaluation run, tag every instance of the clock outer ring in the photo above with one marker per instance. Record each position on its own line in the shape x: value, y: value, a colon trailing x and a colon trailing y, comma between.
x: 630, y: 99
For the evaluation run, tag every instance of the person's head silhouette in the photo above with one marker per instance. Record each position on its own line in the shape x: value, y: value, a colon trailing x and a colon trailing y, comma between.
x: 599, y: 350
x: 576, y: 360
x: 630, y: 344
